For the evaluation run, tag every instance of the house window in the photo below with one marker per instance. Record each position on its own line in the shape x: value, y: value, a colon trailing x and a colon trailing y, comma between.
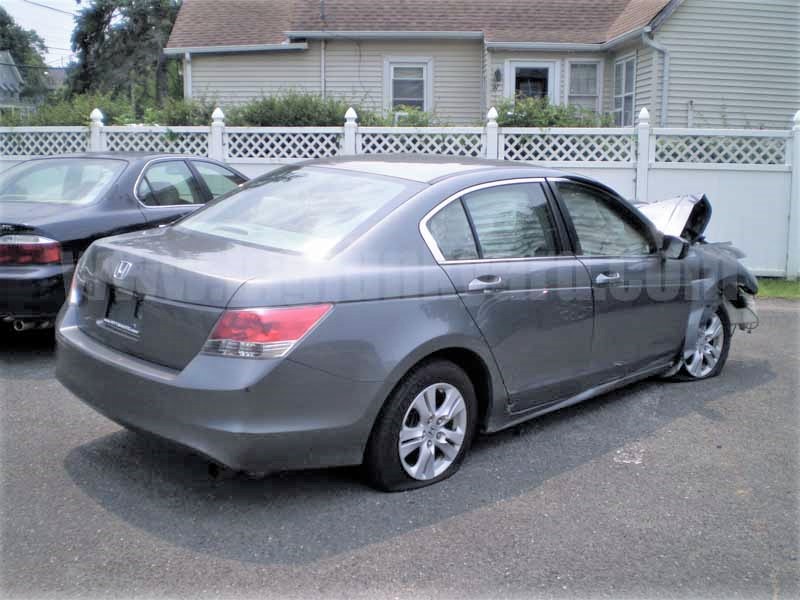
x: 584, y: 84
x: 408, y: 84
x: 532, y: 80
x: 624, y: 83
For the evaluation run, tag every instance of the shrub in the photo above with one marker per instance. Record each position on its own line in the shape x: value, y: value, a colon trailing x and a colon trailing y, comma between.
x: 75, y: 111
x: 296, y: 109
x: 402, y: 116
x: 538, y: 112
x: 292, y: 109
x: 181, y: 112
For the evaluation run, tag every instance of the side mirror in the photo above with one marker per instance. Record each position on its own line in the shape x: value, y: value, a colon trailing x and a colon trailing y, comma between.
x: 674, y: 247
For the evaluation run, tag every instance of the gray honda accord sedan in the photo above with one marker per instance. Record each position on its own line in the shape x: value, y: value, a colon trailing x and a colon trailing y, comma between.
x: 382, y: 311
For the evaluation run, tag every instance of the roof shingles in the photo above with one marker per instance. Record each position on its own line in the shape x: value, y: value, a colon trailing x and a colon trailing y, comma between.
x: 243, y: 22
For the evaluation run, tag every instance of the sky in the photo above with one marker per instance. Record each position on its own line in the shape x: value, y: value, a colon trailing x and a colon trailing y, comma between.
x: 51, y: 19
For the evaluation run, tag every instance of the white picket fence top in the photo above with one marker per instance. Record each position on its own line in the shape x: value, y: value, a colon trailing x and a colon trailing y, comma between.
x: 601, y: 147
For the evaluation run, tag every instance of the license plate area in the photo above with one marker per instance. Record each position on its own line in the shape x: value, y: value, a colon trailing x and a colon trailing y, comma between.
x: 123, y: 311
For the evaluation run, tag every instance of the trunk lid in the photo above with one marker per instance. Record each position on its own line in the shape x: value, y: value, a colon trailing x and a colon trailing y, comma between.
x: 28, y: 215
x: 157, y: 294
x: 683, y: 216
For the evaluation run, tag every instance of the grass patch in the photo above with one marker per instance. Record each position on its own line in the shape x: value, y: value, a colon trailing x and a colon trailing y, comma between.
x: 769, y: 287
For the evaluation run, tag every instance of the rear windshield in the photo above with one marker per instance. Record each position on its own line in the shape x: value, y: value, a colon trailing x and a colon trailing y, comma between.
x: 301, y: 210
x: 59, y: 180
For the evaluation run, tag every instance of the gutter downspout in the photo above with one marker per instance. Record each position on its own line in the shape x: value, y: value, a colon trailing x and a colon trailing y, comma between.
x: 648, y: 40
x: 187, y: 75
x: 322, y: 67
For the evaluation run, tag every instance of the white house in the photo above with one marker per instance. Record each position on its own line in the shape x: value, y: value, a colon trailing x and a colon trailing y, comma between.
x: 702, y: 63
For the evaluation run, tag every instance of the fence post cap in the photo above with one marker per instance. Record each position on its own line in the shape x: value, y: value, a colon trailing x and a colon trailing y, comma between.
x: 644, y: 116
x: 492, y: 114
x: 217, y: 116
x: 351, y: 115
x: 96, y: 116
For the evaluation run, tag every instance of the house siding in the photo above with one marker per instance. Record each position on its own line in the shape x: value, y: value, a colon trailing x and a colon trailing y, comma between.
x: 647, y: 69
x: 354, y: 71
x: 737, y: 60
x: 237, y: 78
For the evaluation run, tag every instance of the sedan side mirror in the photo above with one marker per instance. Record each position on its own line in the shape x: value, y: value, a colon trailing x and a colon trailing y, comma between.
x: 674, y: 247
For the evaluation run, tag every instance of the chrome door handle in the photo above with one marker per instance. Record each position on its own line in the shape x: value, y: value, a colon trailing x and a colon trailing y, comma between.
x: 485, y: 283
x: 604, y: 278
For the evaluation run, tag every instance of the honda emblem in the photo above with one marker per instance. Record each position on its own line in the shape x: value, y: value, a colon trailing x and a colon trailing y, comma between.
x: 122, y: 270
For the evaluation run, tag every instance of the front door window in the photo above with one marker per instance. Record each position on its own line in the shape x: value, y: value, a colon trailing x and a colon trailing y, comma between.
x: 531, y: 80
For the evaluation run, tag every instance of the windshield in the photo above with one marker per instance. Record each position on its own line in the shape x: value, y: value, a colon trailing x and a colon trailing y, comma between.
x: 304, y: 210
x: 59, y: 180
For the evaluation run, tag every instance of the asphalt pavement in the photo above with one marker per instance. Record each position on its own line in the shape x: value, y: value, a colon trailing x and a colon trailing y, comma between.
x: 658, y: 490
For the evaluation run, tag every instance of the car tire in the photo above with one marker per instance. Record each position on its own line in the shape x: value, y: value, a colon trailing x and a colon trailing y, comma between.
x: 434, y: 409
x: 710, y: 348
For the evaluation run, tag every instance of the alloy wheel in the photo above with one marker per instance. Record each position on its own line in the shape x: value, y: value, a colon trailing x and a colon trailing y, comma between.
x: 708, y: 350
x: 433, y: 431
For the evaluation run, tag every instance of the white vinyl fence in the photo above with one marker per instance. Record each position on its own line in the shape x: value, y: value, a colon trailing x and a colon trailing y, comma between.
x: 752, y: 177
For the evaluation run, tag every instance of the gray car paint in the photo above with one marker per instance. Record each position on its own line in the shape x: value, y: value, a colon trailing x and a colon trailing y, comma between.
x: 393, y: 307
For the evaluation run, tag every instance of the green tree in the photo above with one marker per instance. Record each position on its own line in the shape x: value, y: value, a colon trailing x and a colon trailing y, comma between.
x: 119, y: 46
x: 26, y: 48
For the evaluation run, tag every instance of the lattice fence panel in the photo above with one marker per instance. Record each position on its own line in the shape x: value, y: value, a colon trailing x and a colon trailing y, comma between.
x: 43, y: 143
x: 192, y: 142
x: 720, y: 149
x: 451, y: 144
x: 283, y: 144
x: 561, y: 147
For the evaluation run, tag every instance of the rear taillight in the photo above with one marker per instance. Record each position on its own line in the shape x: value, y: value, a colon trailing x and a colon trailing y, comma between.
x: 24, y: 249
x: 262, y: 332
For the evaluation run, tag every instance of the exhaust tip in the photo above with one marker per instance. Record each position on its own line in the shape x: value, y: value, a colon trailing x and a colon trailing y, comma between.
x: 25, y: 325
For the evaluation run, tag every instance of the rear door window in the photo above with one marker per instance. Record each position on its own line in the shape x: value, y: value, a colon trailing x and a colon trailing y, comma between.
x: 169, y: 183
x: 59, y: 180
x: 512, y: 221
x: 451, y: 231
x: 219, y: 180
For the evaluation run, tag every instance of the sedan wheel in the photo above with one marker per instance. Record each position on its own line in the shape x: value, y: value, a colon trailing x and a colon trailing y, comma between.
x: 424, y: 429
x: 433, y: 431
x: 711, y: 349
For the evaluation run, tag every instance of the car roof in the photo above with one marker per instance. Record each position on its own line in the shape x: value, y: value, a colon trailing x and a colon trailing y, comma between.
x: 129, y: 156
x: 424, y: 168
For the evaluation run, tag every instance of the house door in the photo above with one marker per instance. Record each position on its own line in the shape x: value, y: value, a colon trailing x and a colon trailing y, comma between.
x: 532, y: 80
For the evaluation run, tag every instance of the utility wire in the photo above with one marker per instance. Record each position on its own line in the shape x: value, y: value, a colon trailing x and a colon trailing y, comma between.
x: 48, y: 7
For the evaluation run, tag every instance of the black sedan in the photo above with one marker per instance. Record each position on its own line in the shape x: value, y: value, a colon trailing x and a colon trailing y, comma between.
x: 51, y: 209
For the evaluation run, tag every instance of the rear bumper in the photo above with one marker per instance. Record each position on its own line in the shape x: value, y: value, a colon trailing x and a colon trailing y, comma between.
x: 33, y: 292
x: 246, y: 414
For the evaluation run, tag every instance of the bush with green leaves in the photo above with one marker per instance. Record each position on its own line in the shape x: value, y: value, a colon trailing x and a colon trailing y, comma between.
x: 73, y: 111
x: 538, y: 112
x: 181, y: 112
x: 401, y: 116
x: 292, y: 109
